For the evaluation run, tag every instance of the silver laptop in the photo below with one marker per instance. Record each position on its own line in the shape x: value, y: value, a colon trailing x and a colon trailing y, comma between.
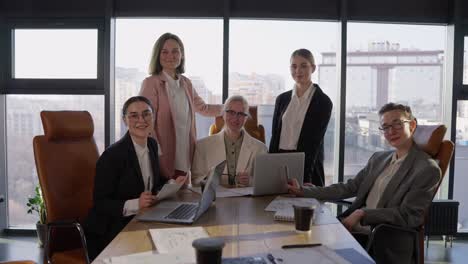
x: 185, y: 212
x: 272, y: 171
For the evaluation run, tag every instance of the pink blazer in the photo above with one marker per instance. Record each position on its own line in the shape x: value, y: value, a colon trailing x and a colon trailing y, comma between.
x: 155, y: 89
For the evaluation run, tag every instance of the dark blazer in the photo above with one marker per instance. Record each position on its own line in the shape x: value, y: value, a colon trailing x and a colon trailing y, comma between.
x: 404, y: 201
x: 312, y: 132
x: 118, y: 179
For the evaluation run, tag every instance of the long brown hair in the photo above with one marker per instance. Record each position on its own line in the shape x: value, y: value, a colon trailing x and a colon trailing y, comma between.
x: 155, y: 66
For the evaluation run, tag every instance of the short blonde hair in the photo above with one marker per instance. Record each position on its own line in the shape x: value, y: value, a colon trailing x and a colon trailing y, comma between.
x: 237, y: 98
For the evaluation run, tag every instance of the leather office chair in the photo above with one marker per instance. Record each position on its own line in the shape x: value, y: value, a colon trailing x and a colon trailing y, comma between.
x: 18, y: 262
x: 429, y: 139
x: 251, y: 126
x: 66, y: 159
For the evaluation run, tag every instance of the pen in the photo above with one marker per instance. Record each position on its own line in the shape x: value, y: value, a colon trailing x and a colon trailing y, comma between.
x: 271, y: 258
x: 300, y: 246
x: 148, y: 186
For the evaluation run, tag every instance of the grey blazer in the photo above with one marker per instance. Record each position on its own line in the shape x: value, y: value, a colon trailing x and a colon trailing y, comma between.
x: 406, y: 197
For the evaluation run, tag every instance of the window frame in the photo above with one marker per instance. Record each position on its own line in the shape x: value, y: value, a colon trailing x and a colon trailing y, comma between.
x: 52, y: 85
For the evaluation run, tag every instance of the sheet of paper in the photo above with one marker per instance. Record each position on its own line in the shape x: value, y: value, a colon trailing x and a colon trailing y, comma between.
x: 228, y: 192
x: 168, y: 190
x: 323, y: 216
x: 233, y: 192
x: 151, y: 258
x: 282, y: 203
x: 172, y: 240
x: 316, y: 255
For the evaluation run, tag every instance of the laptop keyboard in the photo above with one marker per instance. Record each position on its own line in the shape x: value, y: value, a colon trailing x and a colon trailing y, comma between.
x: 183, y: 211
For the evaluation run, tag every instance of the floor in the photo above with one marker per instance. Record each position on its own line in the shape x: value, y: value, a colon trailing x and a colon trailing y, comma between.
x: 16, y: 247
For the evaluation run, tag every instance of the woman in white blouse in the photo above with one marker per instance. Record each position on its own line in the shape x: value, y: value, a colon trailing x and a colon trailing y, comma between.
x: 301, y: 117
x: 175, y: 102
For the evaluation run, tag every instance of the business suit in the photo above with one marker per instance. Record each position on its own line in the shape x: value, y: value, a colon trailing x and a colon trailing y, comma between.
x: 211, y: 150
x: 403, y: 202
x: 118, y: 179
x: 155, y: 89
x: 312, y: 132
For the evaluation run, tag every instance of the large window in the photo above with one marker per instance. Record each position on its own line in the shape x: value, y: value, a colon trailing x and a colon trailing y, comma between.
x: 461, y: 165
x: 389, y: 63
x: 55, y: 53
x: 23, y: 122
x: 465, y: 62
x: 259, y: 57
x: 203, y: 41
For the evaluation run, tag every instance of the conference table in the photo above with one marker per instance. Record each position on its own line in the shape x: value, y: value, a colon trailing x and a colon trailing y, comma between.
x: 244, y: 225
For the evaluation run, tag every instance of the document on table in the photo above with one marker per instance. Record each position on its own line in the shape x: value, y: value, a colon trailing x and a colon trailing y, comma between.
x: 150, y: 257
x: 323, y: 216
x: 228, y: 192
x: 282, y: 203
x: 316, y: 255
x: 172, y: 240
x: 168, y: 190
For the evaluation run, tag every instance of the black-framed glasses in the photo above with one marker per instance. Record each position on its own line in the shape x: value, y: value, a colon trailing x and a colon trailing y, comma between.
x: 233, y: 113
x: 397, y: 125
x: 146, y: 115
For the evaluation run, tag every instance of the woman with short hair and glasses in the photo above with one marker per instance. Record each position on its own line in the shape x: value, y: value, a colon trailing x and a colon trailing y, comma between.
x: 232, y: 144
x: 176, y: 102
x: 127, y: 177
x: 301, y: 117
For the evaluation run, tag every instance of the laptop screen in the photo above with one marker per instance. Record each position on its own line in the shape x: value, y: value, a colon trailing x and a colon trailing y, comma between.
x: 209, y: 193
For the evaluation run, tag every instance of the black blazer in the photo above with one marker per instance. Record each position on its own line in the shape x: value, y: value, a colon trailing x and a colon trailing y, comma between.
x: 118, y: 179
x: 312, y: 132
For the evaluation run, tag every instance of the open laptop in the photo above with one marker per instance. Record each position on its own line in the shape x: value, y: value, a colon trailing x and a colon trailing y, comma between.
x: 186, y: 212
x: 272, y: 171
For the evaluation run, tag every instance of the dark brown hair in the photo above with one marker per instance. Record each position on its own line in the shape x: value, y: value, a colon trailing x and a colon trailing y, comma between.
x: 406, y: 110
x: 133, y: 100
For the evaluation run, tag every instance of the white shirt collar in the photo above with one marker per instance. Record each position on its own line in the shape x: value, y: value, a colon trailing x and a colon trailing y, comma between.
x: 396, y: 160
x: 140, y: 151
x: 171, y: 81
x: 306, y: 94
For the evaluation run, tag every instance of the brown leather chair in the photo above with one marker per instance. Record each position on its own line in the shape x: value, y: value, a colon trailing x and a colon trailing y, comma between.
x: 18, y: 262
x: 251, y: 126
x: 66, y: 160
x: 429, y: 139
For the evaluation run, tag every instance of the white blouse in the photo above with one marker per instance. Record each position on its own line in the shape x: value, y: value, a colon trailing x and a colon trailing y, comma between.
x: 180, y: 108
x: 293, y: 118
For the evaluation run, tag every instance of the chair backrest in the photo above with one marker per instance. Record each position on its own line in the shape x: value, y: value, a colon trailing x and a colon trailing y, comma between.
x: 18, y: 262
x: 430, y: 138
x: 251, y: 126
x: 66, y: 159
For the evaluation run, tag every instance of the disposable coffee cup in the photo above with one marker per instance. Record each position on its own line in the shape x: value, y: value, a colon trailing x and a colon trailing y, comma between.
x: 208, y: 250
x: 302, y: 217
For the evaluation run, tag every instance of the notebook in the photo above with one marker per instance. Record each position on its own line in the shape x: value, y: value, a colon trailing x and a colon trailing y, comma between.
x: 286, y: 215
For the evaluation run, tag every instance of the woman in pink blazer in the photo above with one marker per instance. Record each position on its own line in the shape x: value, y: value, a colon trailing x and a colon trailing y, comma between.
x: 175, y: 102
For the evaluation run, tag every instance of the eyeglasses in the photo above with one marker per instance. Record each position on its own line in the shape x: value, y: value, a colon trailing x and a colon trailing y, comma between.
x: 232, y: 113
x: 397, y: 125
x: 134, y: 116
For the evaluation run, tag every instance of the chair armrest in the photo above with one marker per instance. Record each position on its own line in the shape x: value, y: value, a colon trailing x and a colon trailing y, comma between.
x: 392, y: 227
x: 65, y: 224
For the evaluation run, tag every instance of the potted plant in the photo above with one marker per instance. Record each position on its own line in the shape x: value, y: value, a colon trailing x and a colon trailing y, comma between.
x: 36, y: 204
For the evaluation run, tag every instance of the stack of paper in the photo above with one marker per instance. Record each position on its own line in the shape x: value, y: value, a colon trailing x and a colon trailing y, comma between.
x: 177, y: 240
